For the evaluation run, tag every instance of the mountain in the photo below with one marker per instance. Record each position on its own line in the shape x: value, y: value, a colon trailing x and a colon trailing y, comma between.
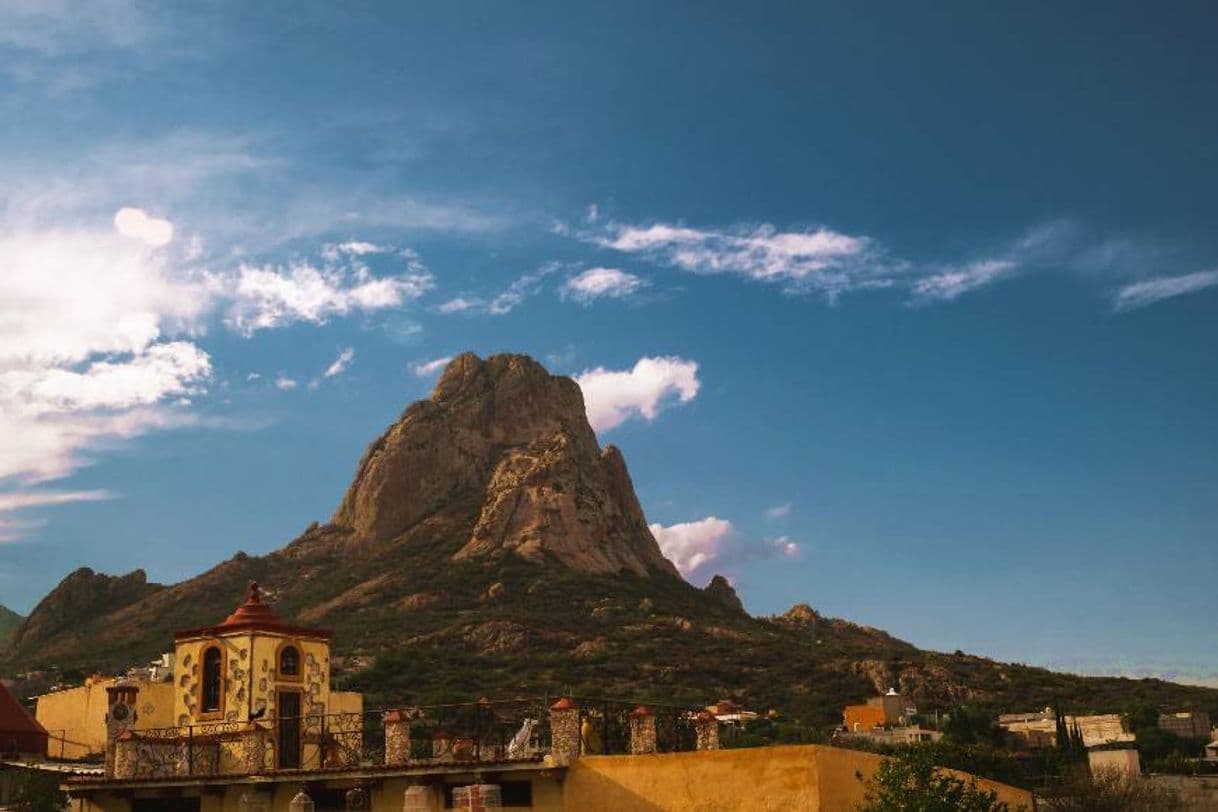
x: 9, y: 621
x: 488, y: 545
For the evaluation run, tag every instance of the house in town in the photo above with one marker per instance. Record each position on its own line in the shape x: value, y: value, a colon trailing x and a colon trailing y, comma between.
x: 259, y: 728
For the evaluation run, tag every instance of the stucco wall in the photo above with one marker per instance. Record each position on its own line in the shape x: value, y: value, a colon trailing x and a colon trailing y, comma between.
x: 805, y: 777
x: 809, y: 778
x: 75, y: 718
x: 250, y: 675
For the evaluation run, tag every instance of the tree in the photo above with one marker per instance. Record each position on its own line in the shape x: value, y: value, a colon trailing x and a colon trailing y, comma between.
x: 909, y: 781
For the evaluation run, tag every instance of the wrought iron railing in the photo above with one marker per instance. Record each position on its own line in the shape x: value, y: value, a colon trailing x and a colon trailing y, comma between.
x: 477, y: 732
x: 485, y: 731
x: 605, y: 726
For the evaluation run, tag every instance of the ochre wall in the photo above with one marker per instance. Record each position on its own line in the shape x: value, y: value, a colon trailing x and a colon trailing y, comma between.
x: 251, y: 679
x: 805, y: 777
x: 809, y: 778
x: 75, y: 718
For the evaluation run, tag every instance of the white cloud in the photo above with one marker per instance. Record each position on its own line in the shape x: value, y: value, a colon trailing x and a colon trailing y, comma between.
x: 284, y: 383
x: 1141, y: 294
x: 139, y: 225
x: 778, y: 511
x: 693, y: 545
x: 84, y: 314
x: 597, y: 283
x: 821, y: 259
x: 947, y: 285
x: 611, y: 396
x: 425, y: 369
x: 21, y: 500
x: 162, y: 371
x: 267, y: 296
x: 341, y: 363
x: 354, y: 248
x: 460, y: 304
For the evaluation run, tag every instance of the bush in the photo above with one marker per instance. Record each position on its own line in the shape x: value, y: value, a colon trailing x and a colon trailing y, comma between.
x: 1109, y: 790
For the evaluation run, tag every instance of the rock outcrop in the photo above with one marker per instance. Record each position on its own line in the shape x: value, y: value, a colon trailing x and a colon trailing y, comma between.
x: 504, y: 435
x: 721, y: 591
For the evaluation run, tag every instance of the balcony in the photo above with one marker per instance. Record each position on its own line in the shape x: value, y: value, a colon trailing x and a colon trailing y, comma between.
x: 420, y: 737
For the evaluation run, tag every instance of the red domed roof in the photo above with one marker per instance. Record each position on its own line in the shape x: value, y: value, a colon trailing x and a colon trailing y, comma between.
x: 253, y: 611
x: 253, y: 615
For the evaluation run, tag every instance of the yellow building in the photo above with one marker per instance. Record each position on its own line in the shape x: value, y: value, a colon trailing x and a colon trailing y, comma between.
x: 807, y: 778
x: 255, y: 666
x: 75, y: 718
x: 258, y: 726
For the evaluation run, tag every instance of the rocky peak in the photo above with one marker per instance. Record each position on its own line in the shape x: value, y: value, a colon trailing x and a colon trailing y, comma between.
x: 83, y: 593
x: 721, y: 590
x: 503, y: 452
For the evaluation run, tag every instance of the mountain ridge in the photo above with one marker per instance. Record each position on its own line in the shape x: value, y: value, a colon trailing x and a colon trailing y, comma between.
x: 488, y: 544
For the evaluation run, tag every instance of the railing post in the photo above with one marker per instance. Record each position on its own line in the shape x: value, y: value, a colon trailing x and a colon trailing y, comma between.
x: 564, y: 731
x: 642, y: 730
x: 190, y: 749
x: 125, y: 755
x: 706, y: 729
x: 397, y: 738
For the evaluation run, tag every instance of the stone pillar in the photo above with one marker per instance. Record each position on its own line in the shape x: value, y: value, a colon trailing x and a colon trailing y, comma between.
x: 301, y: 803
x: 125, y: 751
x: 441, y: 745
x: 477, y: 798
x: 253, y: 742
x: 418, y: 799
x: 706, y: 729
x: 642, y: 730
x: 397, y: 738
x: 564, y: 731
x: 120, y: 717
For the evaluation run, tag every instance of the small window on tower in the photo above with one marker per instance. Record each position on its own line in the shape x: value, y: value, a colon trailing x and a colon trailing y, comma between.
x: 212, y: 680
x: 289, y: 662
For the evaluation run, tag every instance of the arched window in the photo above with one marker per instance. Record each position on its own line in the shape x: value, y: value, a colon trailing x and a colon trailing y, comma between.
x: 213, y: 680
x: 289, y: 662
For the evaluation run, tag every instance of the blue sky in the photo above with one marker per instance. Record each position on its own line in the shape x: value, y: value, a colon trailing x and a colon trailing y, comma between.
x: 906, y: 312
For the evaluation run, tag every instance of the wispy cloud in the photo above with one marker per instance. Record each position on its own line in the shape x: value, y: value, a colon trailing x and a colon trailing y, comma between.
x: 425, y: 369
x: 948, y: 285
x: 601, y: 283
x: 820, y: 259
x: 1147, y: 292
x: 12, y: 529
x: 340, y: 364
x: 613, y: 396
x: 778, y: 511
x: 63, y: 26
x: 503, y: 302
x: 285, y: 384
